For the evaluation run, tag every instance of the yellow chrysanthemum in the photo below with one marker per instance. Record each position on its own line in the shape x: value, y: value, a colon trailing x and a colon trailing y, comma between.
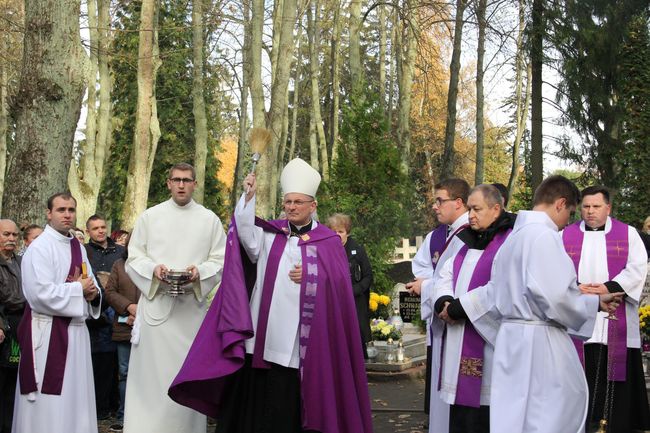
x: 386, y: 330
x: 374, y: 297
x: 381, y: 325
x: 384, y: 300
x: 373, y: 305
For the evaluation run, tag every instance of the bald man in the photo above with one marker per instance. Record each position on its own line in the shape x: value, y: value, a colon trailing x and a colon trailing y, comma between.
x: 12, y: 304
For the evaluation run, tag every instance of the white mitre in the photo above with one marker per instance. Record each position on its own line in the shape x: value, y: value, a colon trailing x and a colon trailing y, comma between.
x: 298, y: 176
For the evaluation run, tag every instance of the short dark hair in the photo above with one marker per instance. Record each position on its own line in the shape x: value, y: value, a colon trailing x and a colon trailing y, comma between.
x: 182, y: 166
x: 555, y: 187
x: 490, y: 193
x: 456, y: 188
x: 64, y: 195
x: 28, y: 229
x: 503, y: 190
x: 94, y: 217
x: 598, y: 189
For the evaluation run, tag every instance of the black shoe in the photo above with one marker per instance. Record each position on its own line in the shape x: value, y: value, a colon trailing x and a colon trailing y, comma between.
x: 116, y: 427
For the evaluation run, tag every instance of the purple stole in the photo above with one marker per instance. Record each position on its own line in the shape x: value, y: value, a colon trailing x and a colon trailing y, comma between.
x: 617, y: 244
x: 438, y: 244
x: 470, y: 374
x: 307, y: 293
x: 58, y: 348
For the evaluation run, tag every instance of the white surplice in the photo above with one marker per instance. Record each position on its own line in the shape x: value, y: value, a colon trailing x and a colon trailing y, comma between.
x: 593, y: 269
x: 44, y: 269
x: 422, y: 267
x: 538, y: 384
x: 453, y: 344
x: 282, y: 342
x: 177, y: 237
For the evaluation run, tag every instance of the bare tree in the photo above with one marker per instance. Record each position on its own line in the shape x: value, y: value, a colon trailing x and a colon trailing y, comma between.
x: 198, y: 101
x: 447, y: 168
x: 537, y: 62
x: 147, y: 128
x: 480, y: 98
x: 314, y: 31
x: 522, y: 97
x: 85, y: 177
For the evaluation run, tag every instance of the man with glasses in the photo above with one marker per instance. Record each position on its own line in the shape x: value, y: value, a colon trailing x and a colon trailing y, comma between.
x: 176, y: 235
x: 289, y: 360
x: 450, y: 207
x: 609, y: 256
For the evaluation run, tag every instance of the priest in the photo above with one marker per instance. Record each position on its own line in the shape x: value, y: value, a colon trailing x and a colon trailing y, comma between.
x: 290, y: 359
x: 55, y: 391
x: 450, y: 207
x: 178, y: 234
x: 609, y: 256
x: 467, y: 358
x: 537, y: 381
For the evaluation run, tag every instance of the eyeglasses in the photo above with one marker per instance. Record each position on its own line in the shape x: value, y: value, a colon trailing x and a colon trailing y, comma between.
x: 179, y: 180
x: 439, y: 201
x: 296, y: 202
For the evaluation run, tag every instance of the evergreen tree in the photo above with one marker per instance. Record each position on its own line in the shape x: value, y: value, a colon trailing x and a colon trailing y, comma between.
x: 367, y: 183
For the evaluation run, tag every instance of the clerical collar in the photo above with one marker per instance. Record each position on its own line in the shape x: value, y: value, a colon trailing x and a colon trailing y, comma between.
x: 479, y: 240
x: 299, y: 230
x: 595, y: 229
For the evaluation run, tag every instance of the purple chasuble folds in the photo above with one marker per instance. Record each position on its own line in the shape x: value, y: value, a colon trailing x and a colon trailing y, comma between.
x: 617, y: 245
x: 58, y: 346
x: 334, y: 388
x: 470, y: 374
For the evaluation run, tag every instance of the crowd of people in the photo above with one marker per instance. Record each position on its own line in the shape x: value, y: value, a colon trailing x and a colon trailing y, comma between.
x: 532, y: 322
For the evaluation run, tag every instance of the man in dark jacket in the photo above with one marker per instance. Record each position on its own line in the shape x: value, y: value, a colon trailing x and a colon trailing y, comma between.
x: 102, y: 252
x: 12, y: 304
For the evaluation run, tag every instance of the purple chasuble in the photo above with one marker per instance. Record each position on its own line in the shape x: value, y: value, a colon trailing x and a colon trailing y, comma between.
x: 58, y: 347
x: 617, y: 245
x: 334, y: 387
x: 438, y: 244
x: 470, y: 374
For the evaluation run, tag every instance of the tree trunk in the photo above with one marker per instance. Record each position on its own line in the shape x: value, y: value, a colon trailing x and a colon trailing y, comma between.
x: 275, y: 43
x: 255, y: 59
x: 336, y: 94
x: 447, y: 169
x: 480, y: 98
x: 313, y: 29
x: 198, y: 101
x: 355, y: 42
x: 52, y: 85
x: 147, y: 128
x: 522, y: 101
x: 4, y: 115
x: 381, y: 12
x: 85, y: 179
x: 242, y: 145
x: 409, y: 46
x: 267, y: 169
x: 296, y: 100
x: 537, y: 62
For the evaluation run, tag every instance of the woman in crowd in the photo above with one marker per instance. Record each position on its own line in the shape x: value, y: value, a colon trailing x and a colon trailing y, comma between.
x: 360, y: 271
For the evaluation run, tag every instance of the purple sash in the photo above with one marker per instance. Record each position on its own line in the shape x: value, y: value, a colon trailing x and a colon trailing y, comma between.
x: 275, y: 255
x: 437, y: 244
x: 617, y: 244
x: 470, y: 374
x: 58, y: 346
